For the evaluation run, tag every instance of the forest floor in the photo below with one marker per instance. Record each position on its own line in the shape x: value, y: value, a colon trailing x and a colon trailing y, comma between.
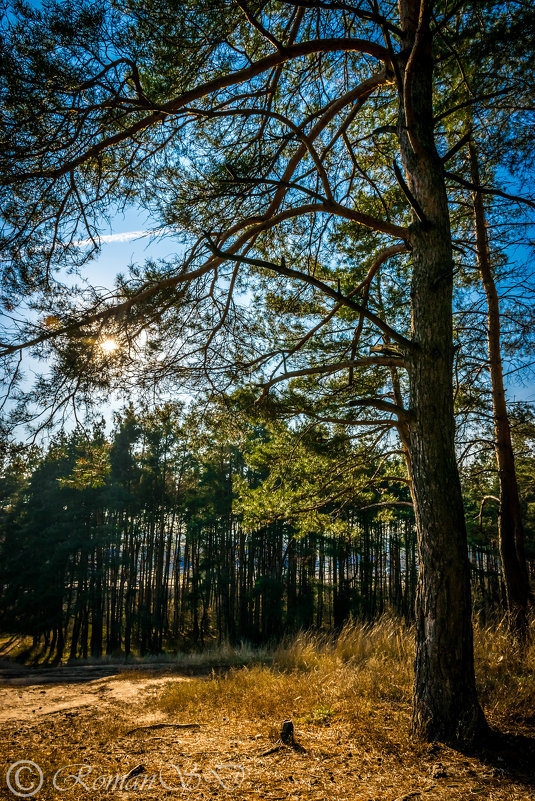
x: 216, y: 734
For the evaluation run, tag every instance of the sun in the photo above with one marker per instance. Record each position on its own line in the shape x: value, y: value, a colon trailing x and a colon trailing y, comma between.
x: 108, y: 345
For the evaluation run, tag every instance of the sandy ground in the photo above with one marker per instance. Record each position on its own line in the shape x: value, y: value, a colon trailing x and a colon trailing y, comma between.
x: 27, y: 695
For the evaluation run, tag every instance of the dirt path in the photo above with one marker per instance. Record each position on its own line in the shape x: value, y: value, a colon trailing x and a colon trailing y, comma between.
x: 27, y: 694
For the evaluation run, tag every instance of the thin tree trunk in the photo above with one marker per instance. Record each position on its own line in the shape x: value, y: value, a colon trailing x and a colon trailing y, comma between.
x: 445, y: 704
x: 510, y: 526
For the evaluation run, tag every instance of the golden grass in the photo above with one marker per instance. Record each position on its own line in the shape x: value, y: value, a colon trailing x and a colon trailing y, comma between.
x: 353, y: 693
x: 363, y: 666
x: 312, y: 672
x: 505, y: 675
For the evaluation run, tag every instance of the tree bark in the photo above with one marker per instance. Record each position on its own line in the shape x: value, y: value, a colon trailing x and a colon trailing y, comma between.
x: 510, y: 525
x: 445, y: 705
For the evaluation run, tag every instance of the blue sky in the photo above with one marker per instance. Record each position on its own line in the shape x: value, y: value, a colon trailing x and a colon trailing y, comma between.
x: 131, y: 240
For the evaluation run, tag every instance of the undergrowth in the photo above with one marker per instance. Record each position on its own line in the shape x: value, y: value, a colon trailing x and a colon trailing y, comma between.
x: 317, y: 678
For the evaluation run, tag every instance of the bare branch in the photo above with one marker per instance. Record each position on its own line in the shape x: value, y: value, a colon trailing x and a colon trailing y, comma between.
x: 369, y: 361
x: 487, y: 190
x: 452, y: 151
x: 325, y: 288
x: 259, y: 27
x: 382, y: 405
x: 384, y: 504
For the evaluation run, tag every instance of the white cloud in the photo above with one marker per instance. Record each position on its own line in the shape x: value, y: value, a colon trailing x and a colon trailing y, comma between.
x: 125, y: 236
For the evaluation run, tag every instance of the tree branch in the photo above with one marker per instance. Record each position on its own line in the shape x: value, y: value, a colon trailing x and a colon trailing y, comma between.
x: 281, y: 269
x: 382, y: 504
x: 408, y: 194
x: 488, y: 190
x: 369, y: 361
x: 210, y: 87
x: 259, y: 27
x: 338, y: 6
x: 482, y: 504
x: 382, y: 405
x: 452, y: 151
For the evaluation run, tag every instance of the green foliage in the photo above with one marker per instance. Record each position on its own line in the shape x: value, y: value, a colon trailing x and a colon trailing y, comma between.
x: 312, y: 477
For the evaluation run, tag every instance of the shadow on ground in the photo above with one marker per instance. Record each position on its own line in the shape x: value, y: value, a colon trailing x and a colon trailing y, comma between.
x: 510, y: 755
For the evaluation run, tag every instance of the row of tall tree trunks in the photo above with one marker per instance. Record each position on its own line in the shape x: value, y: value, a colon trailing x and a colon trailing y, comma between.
x: 150, y: 584
x: 488, y: 587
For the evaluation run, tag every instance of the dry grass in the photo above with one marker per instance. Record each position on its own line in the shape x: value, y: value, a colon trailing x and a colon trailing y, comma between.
x: 364, y: 665
x: 349, y: 699
x: 506, y: 677
x: 345, y: 676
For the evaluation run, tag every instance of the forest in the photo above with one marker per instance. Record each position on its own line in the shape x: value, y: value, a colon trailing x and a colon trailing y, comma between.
x: 302, y: 410
x: 181, y: 529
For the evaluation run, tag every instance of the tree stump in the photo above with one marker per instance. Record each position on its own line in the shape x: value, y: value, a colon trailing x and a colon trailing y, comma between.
x: 287, y: 733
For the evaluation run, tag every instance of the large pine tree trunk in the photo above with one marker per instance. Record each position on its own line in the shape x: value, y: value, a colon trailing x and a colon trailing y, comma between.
x: 510, y: 526
x: 445, y: 699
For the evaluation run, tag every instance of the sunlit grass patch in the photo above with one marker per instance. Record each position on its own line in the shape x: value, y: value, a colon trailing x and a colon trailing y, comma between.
x: 505, y: 674
x: 364, y: 667
x: 312, y: 677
